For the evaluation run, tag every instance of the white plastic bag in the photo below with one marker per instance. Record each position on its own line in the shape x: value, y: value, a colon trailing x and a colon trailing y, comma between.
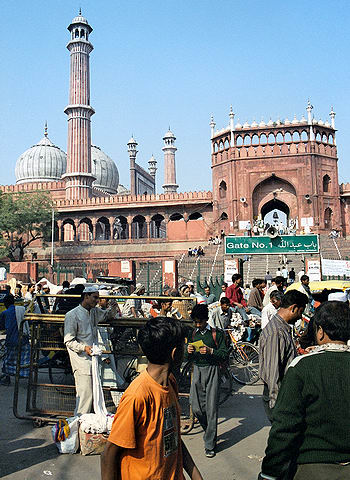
x: 70, y: 444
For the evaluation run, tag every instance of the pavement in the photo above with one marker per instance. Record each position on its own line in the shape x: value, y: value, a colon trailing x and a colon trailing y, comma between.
x: 28, y: 453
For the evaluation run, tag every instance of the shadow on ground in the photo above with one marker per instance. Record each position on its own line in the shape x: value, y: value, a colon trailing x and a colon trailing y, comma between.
x: 248, y: 411
x: 21, y: 445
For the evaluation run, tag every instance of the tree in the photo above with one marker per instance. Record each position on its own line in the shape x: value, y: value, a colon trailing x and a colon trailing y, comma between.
x: 24, y: 218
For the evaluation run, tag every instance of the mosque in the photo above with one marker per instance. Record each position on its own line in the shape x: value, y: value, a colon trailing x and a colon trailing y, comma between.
x: 287, y: 166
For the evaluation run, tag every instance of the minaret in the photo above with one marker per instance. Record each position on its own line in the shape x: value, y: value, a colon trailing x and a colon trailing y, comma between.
x: 152, y: 166
x: 309, y: 109
x: 212, y: 125
x: 169, y: 149
x: 332, y: 115
x: 78, y: 176
x: 232, y: 126
x: 132, y: 144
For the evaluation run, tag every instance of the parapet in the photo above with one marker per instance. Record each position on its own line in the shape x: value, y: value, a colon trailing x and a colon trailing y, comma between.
x: 34, y: 186
x: 127, y: 200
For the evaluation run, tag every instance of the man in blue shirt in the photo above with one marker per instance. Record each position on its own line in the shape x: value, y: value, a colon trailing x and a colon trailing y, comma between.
x: 10, y: 321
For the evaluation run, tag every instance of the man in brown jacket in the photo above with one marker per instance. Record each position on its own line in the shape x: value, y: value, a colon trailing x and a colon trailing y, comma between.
x: 256, y: 294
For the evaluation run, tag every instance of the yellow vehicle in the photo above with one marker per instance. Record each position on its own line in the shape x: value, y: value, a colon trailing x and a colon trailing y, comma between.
x: 321, y: 289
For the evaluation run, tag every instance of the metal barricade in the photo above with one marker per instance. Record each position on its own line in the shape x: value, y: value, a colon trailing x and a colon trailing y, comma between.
x: 49, y: 392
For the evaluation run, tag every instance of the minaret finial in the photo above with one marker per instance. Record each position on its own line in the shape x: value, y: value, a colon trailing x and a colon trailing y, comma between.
x: 332, y: 115
x: 45, y: 129
x: 80, y: 11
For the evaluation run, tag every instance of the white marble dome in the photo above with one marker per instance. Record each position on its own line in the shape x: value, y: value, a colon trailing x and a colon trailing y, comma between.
x: 43, y: 162
x: 105, y: 171
x: 80, y: 19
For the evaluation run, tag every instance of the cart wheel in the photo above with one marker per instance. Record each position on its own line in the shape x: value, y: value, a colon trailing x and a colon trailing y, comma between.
x: 38, y: 423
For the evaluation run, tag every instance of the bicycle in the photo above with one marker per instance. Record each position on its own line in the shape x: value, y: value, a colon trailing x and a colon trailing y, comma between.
x: 2, y: 348
x: 243, y: 360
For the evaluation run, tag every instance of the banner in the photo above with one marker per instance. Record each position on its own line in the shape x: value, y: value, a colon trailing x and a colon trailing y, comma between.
x: 335, y: 268
x: 313, y: 269
x: 231, y: 267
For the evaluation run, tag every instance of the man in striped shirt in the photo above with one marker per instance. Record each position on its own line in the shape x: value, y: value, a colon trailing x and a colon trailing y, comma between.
x: 276, y: 347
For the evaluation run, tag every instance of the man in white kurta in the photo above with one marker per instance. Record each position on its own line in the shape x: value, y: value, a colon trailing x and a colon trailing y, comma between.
x: 80, y: 333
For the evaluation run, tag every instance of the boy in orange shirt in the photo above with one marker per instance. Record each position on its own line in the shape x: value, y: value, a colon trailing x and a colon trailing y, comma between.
x: 145, y: 440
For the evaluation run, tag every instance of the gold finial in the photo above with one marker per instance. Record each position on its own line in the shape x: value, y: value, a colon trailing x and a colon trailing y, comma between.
x: 45, y: 129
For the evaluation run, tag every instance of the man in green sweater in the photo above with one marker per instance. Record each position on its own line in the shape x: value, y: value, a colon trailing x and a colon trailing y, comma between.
x: 204, y: 393
x: 310, y: 433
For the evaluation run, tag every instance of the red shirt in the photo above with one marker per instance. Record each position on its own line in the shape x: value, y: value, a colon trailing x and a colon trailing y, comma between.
x: 235, y: 295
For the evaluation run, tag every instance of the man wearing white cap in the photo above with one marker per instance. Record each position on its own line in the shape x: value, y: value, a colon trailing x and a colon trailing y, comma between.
x: 339, y: 296
x: 80, y: 333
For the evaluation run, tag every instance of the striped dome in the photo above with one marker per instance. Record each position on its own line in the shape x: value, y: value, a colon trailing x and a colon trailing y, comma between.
x: 104, y: 170
x: 43, y: 162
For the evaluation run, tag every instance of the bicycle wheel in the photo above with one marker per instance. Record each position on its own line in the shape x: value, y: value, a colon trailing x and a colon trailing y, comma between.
x: 244, y: 363
x: 185, y: 377
x: 184, y: 385
x: 2, y: 348
x: 225, y: 385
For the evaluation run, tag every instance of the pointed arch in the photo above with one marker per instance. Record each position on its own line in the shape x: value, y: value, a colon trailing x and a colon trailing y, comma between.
x: 304, y: 136
x: 84, y: 231
x: 255, y: 139
x: 158, y: 226
x: 138, y: 227
x: 274, y: 188
x: 222, y: 189
x: 195, y: 216
x: 325, y: 183
x: 68, y: 230
x: 103, y: 229
x: 239, y: 141
x: 279, y: 137
x: 288, y: 137
x: 120, y: 228
x: 263, y: 139
x: 328, y: 213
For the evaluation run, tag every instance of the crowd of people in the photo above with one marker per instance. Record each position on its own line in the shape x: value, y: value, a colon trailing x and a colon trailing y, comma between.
x: 301, y: 381
x: 195, y: 251
x: 258, y: 227
x: 218, y: 239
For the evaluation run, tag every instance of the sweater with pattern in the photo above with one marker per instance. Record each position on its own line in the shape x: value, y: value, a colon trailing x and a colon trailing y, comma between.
x: 311, y: 420
x: 220, y: 351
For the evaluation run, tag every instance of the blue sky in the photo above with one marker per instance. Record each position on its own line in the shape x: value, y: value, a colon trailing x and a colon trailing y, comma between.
x: 160, y: 63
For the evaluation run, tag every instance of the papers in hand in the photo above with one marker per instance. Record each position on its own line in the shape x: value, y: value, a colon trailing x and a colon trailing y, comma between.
x: 197, y: 345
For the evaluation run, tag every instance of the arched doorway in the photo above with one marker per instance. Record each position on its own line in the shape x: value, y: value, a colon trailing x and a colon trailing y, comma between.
x: 274, y: 212
x: 275, y: 199
x: 328, y: 218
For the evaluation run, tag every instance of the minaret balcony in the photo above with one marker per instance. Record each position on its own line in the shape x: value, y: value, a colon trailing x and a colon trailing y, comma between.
x: 72, y: 108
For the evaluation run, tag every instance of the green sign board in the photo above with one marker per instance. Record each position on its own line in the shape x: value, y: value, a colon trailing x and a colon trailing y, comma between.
x: 282, y: 244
